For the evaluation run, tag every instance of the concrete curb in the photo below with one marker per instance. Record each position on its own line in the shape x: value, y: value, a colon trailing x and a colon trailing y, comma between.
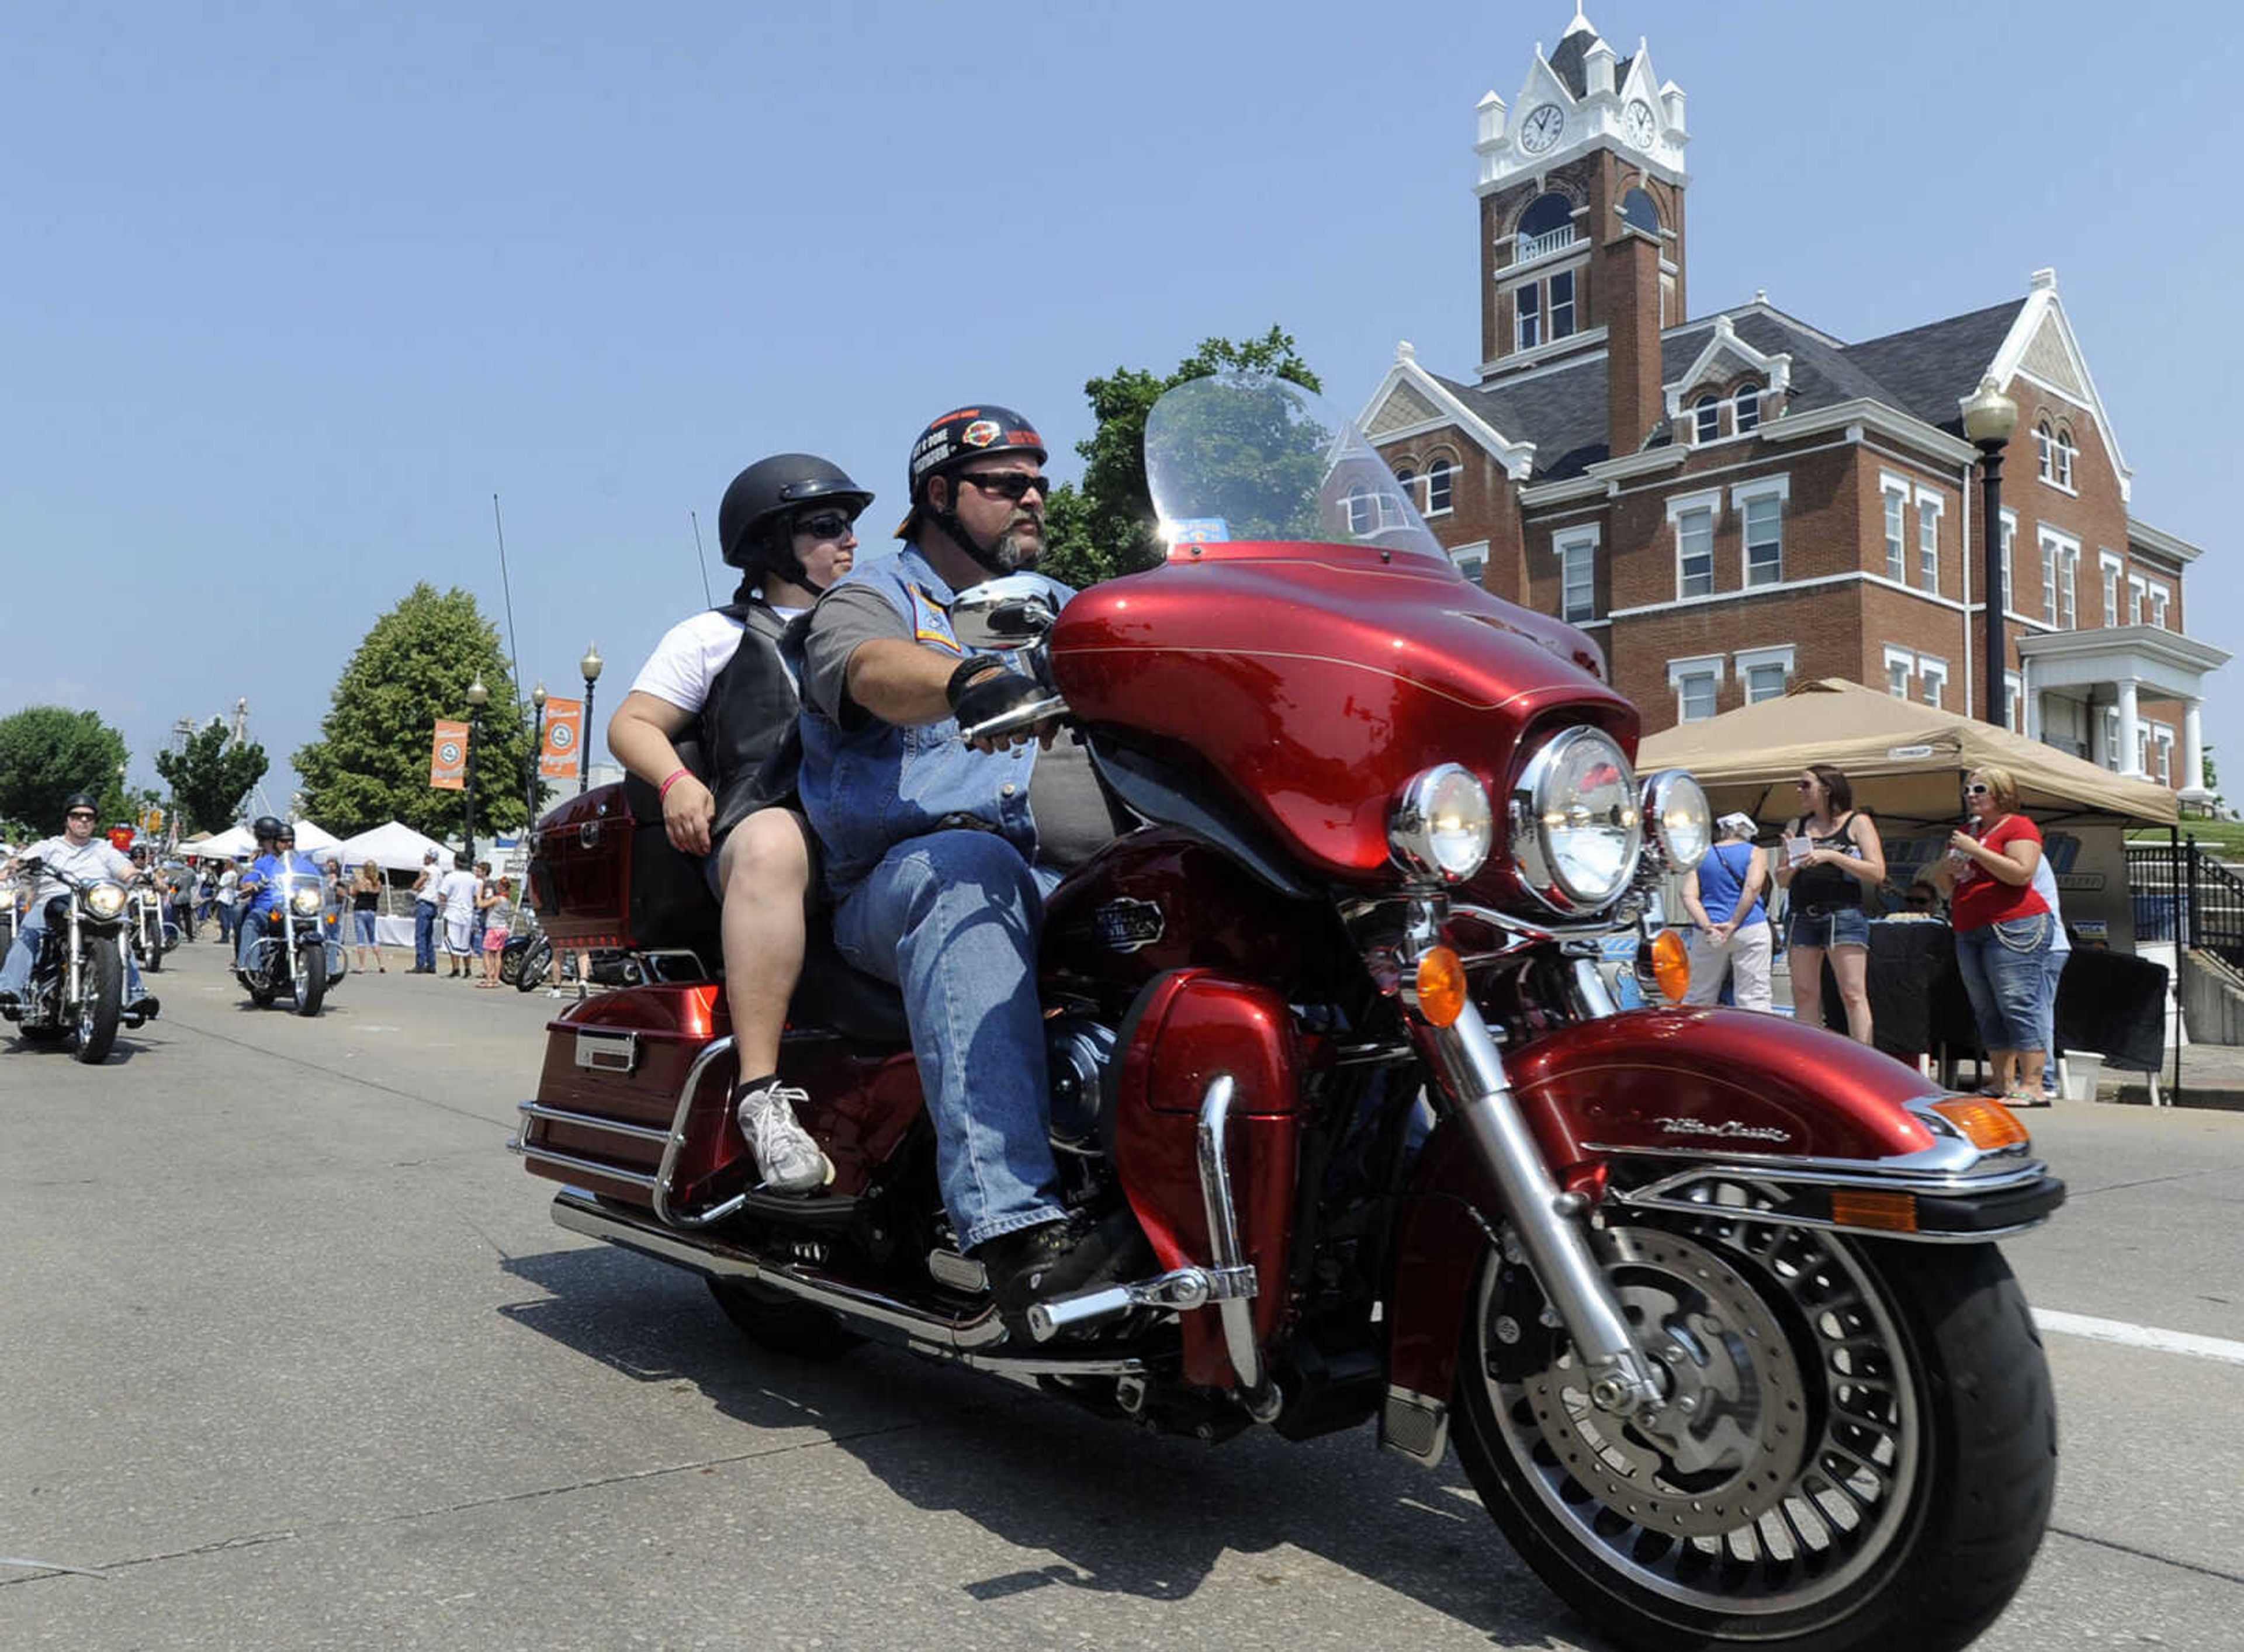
x: 2218, y: 1097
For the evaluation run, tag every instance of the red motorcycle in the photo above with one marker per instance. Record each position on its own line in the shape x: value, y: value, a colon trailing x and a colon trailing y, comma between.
x: 1708, y: 1302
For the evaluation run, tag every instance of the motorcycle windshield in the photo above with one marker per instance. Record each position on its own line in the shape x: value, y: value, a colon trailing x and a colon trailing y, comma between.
x: 1240, y: 458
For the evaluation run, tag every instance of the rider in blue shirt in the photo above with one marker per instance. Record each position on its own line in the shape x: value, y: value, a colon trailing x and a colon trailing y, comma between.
x: 264, y: 886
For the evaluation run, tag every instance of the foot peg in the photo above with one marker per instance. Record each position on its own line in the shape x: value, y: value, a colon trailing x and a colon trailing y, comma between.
x: 1182, y: 1289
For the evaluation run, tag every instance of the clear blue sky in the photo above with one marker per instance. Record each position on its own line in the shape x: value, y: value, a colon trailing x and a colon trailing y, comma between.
x: 290, y: 292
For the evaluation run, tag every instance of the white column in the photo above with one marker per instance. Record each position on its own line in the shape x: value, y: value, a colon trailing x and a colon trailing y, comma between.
x: 2100, y: 747
x: 2130, y: 729
x: 2193, y: 748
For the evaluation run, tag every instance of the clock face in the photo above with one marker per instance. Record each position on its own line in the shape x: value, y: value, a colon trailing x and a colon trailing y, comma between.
x: 1541, y: 128
x: 1636, y: 121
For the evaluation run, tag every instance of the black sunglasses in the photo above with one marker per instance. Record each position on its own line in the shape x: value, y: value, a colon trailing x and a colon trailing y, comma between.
x: 826, y: 525
x: 79, y: 814
x: 1011, y: 484
x: 1975, y: 790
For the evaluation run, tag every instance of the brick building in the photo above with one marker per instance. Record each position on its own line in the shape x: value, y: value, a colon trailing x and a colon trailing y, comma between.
x: 1735, y: 502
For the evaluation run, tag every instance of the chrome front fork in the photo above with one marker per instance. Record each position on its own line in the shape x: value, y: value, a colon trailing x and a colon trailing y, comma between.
x: 1548, y: 1221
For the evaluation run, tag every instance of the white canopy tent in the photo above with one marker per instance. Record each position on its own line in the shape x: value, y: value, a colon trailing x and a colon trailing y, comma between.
x: 311, y: 840
x: 395, y: 847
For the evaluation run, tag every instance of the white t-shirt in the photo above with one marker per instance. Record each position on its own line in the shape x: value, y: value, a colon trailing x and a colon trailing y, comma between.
x: 227, y: 882
x: 458, y: 893
x: 2044, y: 884
x: 686, y: 662
x: 96, y: 858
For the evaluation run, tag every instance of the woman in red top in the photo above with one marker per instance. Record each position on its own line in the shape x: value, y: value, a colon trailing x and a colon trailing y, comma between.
x: 2002, y: 929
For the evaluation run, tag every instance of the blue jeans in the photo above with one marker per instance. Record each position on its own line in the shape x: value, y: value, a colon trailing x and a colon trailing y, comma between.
x: 2004, y: 966
x: 424, y: 935
x: 952, y: 919
x: 16, y: 973
x: 1828, y: 927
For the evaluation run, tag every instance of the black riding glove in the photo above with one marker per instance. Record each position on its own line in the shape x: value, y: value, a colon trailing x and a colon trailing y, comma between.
x: 982, y: 688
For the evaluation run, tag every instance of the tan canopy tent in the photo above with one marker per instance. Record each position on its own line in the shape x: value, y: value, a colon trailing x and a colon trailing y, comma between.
x: 1906, y: 760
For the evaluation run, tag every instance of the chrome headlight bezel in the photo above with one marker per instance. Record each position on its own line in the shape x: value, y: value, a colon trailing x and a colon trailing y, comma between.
x: 1442, y: 825
x: 1678, y: 821
x: 305, y: 903
x: 1550, y: 875
x: 105, y: 900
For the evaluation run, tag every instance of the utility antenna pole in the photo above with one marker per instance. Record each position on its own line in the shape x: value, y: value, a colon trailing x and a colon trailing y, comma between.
x: 513, y: 658
x: 702, y: 557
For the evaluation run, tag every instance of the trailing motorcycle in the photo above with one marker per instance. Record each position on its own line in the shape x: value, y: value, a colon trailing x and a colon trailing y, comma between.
x: 1709, y: 1302
x: 77, y: 980
x: 290, y: 956
x: 150, y: 933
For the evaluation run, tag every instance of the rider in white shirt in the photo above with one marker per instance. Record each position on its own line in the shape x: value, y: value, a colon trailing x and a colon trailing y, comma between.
x: 78, y: 852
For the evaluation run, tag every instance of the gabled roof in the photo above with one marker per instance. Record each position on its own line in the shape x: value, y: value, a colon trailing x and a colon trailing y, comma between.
x: 1924, y: 373
x: 1567, y: 61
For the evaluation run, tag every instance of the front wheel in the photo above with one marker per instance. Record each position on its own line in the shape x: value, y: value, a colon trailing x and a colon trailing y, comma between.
x: 101, y: 999
x: 530, y: 973
x: 311, y: 983
x: 153, y: 960
x: 1857, y: 1448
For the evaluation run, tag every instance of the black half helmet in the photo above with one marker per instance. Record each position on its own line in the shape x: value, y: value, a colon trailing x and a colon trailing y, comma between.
x: 266, y: 828
x: 775, y: 488
x: 962, y: 434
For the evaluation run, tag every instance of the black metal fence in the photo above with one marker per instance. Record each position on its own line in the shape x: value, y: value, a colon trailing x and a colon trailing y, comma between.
x: 2178, y: 892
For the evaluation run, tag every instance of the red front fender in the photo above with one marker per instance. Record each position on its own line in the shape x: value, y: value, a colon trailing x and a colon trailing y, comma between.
x: 1723, y: 1081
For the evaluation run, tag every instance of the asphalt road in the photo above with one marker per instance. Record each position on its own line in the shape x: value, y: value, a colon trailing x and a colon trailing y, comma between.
x: 292, y: 1358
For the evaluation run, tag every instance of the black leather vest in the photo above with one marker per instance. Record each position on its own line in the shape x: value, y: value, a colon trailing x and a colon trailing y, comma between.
x: 748, y: 726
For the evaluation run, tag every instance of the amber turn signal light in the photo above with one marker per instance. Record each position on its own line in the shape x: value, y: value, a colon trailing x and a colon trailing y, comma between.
x: 1440, y: 990
x: 1874, y: 1208
x: 1984, y: 1124
x: 1666, y: 961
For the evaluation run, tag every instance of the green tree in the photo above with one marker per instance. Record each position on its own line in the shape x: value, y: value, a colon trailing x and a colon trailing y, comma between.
x: 47, y: 753
x: 1106, y: 527
x: 370, y: 764
x: 209, y: 777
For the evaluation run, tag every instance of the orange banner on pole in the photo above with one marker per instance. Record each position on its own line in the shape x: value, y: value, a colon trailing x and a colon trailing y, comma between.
x: 564, y: 726
x: 448, y: 760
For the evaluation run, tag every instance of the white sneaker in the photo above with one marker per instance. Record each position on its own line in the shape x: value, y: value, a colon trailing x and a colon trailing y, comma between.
x: 791, y: 1162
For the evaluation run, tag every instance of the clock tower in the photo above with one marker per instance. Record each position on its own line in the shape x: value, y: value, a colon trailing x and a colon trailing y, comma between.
x: 1590, y: 153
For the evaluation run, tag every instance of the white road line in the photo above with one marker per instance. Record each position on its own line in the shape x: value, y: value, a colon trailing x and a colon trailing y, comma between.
x: 2150, y: 1336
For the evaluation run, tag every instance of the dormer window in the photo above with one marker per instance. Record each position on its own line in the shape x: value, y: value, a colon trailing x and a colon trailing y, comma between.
x: 2053, y: 454
x: 1707, y: 418
x: 1745, y: 410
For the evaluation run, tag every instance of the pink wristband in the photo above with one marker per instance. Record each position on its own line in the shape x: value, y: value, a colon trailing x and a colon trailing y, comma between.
x: 676, y: 775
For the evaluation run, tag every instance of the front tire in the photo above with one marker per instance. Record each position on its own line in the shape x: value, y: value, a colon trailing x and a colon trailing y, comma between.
x: 311, y: 983
x: 154, y: 960
x: 1866, y: 1458
x: 530, y: 973
x: 103, y: 1002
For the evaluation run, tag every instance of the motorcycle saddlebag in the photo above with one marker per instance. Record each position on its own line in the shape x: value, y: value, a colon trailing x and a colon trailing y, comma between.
x: 603, y: 874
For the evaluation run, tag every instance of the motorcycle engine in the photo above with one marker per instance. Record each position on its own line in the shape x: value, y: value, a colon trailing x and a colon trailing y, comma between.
x: 1077, y: 1051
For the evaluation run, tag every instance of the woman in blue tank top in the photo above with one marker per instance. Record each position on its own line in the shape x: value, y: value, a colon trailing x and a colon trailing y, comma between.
x: 1729, y: 922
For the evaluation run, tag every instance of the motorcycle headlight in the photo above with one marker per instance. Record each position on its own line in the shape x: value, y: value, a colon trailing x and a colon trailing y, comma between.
x: 305, y: 903
x: 1678, y: 818
x: 1442, y: 825
x: 1576, y: 826
x: 105, y: 900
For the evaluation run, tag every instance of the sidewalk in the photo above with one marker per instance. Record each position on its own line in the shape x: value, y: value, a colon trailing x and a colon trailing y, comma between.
x: 2211, y: 1076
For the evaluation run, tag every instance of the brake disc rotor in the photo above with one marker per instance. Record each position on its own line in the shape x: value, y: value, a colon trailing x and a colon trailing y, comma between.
x: 1731, y: 1435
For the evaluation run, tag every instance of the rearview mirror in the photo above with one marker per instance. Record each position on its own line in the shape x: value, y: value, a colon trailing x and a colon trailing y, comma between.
x: 1009, y: 611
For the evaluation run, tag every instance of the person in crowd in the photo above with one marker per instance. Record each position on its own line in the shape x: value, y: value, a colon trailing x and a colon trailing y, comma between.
x: 1832, y: 853
x: 457, y: 892
x: 483, y: 890
x: 207, y: 892
x: 79, y: 851
x: 229, y: 898
x: 2053, y: 969
x: 496, y: 904
x: 2002, y: 931
x: 1730, y: 934
x: 267, y: 883
x: 939, y: 855
x: 788, y: 523
x: 428, y: 897
x: 366, y: 912
x: 1923, y: 896
x: 180, y: 885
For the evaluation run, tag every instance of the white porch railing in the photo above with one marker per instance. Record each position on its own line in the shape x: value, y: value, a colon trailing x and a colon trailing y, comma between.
x: 1525, y: 247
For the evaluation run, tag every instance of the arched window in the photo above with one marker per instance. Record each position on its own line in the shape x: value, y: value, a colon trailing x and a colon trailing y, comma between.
x: 1639, y: 211
x: 2045, y: 452
x: 1438, y: 475
x: 1547, y: 225
x: 2064, y: 478
x: 1706, y: 417
x: 1745, y: 408
x: 1362, y: 511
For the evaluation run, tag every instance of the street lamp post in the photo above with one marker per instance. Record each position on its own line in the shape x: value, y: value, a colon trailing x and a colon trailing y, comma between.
x: 590, y: 665
x: 536, y: 751
x: 1989, y: 418
x: 477, y: 697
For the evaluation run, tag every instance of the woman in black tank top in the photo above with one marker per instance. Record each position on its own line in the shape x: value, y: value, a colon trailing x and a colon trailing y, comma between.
x: 1830, y: 856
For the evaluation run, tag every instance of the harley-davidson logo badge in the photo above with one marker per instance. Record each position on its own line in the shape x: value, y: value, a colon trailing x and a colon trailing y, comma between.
x: 1726, y: 1127
x: 1125, y: 926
